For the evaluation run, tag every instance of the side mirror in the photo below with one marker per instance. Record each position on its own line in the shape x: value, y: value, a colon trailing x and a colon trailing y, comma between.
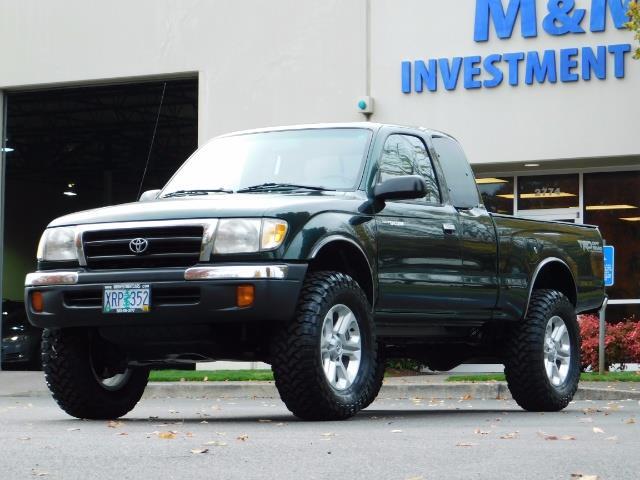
x: 401, y: 188
x: 149, y: 195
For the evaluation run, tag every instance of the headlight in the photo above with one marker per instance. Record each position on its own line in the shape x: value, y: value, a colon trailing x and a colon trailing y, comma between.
x: 248, y: 235
x: 57, y: 244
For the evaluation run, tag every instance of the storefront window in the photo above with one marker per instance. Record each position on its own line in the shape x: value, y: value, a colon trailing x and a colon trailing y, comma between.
x: 548, y: 191
x: 497, y: 194
x: 612, y: 201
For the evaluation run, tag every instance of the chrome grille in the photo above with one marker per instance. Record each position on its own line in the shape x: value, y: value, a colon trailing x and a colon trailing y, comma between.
x: 168, y: 246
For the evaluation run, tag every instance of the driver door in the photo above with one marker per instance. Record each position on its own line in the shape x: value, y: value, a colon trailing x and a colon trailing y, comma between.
x: 419, y: 257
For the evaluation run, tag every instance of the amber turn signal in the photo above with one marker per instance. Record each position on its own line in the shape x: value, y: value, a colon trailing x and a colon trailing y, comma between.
x: 245, y: 294
x: 37, y: 302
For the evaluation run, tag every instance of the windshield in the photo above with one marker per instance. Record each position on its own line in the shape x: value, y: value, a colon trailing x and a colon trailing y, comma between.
x: 328, y: 158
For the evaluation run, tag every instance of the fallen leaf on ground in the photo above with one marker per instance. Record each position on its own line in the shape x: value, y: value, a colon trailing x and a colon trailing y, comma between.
x: 166, y: 435
x: 582, y: 476
x: 481, y: 432
x: 216, y: 443
x: 547, y: 436
x: 114, y: 424
x: 122, y: 433
x: 466, y: 444
x: 630, y: 421
x: 242, y: 437
x: 75, y: 429
x: 205, y: 379
x: 39, y: 473
x: 509, y: 436
x: 597, y: 430
x: 467, y: 397
x: 199, y: 450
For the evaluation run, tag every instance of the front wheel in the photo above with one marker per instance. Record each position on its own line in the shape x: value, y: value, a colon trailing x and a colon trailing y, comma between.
x: 325, y: 362
x: 80, y: 385
x: 542, y: 365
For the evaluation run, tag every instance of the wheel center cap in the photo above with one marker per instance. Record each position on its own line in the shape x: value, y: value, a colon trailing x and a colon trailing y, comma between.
x: 339, y: 348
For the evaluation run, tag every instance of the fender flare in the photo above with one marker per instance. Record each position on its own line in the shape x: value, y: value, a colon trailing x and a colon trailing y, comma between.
x: 536, y: 273
x: 344, y: 238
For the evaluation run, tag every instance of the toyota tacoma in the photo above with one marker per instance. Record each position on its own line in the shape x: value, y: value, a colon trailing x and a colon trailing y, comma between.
x: 322, y: 250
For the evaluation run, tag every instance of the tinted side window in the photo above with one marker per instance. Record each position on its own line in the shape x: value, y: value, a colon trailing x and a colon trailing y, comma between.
x: 407, y: 155
x: 457, y: 172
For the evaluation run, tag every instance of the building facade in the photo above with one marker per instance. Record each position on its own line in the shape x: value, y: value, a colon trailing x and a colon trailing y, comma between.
x: 543, y: 95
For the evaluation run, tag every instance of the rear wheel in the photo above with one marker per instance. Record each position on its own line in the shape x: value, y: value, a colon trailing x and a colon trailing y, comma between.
x: 325, y: 362
x: 543, y: 354
x: 80, y: 384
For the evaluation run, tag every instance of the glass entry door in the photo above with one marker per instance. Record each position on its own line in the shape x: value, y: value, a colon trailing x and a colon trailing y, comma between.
x: 549, y: 197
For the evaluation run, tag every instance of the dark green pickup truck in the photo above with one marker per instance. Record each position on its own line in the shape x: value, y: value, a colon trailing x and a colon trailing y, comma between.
x: 322, y: 250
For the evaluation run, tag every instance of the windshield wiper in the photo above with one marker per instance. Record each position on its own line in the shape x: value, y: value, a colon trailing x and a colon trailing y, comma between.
x: 185, y: 193
x: 269, y: 186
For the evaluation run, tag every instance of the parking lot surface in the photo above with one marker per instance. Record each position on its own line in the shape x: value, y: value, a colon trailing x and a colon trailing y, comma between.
x: 258, y: 438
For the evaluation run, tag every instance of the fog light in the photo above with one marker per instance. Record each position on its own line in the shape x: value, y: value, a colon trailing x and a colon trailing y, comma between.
x: 37, y: 302
x: 245, y: 295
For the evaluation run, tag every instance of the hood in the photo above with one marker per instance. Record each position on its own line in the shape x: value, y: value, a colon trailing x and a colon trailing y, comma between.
x: 217, y: 206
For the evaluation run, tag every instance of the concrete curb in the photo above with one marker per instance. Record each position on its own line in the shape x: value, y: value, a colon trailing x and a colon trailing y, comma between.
x: 437, y: 390
x: 442, y: 390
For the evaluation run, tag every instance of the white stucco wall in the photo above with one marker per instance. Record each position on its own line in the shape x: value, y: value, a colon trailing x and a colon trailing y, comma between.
x: 259, y: 63
x: 298, y: 61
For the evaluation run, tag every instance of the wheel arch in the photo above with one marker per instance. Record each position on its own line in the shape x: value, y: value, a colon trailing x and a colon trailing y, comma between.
x: 341, y: 253
x: 555, y: 274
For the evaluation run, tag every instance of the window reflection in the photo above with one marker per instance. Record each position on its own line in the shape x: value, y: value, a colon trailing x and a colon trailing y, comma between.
x: 407, y: 155
x: 612, y: 201
x: 497, y: 194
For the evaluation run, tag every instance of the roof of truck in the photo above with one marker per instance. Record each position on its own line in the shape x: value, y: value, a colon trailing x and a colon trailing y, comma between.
x: 368, y: 125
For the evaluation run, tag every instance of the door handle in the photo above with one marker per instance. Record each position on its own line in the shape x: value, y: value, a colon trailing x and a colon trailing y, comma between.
x: 448, y: 228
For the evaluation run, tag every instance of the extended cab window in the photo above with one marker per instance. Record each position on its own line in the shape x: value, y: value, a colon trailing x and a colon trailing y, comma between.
x: 407, y: 155
x: 463, y: 190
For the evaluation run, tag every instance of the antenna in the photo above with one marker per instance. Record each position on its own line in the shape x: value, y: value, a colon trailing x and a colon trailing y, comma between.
x: 153, y: 137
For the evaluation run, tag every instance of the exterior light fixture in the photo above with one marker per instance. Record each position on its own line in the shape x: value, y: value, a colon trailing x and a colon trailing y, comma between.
x: 7, y: 150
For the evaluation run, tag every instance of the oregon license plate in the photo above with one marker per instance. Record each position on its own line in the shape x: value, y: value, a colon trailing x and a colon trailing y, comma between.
x: 126, y: 298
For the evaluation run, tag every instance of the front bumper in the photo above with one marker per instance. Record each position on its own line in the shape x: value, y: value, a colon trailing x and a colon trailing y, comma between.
x: 203, y: 294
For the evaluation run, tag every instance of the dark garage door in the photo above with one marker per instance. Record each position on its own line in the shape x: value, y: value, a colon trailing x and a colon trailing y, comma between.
x: 77, y: 148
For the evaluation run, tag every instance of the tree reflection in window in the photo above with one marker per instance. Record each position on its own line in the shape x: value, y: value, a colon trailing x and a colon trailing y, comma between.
x: 407, y: 155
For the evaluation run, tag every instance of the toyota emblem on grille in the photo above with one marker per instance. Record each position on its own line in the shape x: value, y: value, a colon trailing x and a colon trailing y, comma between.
x: 138, y: 245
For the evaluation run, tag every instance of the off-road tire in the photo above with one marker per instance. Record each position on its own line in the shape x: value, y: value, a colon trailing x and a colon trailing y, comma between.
x: 378, y: 377
x: 524, y: 363
x: 296, y: 361
x: 69, y: 375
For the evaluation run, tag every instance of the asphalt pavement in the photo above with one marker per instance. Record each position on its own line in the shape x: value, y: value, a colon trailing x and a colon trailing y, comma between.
x: 205, y: 438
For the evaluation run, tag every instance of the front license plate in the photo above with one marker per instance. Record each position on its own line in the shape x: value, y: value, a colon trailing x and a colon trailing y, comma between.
x: 126, y: 298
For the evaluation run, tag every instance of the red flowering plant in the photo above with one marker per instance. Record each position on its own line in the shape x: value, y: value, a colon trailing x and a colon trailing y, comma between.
x: 622, y: 342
